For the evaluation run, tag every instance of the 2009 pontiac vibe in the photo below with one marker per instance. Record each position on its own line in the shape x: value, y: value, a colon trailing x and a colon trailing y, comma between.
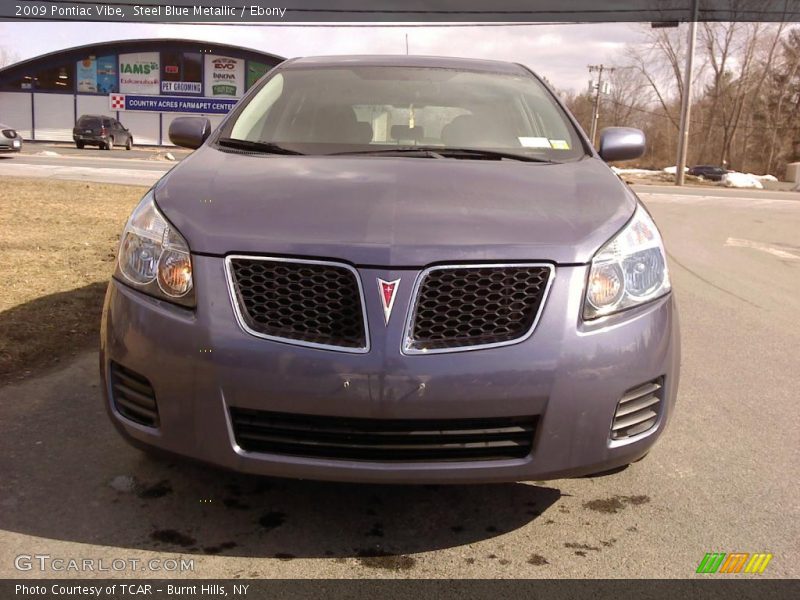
x: 394, y: 269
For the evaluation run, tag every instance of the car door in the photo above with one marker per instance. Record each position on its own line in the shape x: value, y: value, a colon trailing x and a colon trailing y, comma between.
x: 119, y: 132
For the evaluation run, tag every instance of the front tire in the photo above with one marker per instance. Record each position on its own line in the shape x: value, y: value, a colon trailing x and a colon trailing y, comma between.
x: 79, y: 145
x: 129, y: 143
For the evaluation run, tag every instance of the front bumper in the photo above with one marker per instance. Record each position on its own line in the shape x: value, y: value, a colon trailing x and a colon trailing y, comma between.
x: 10, y: 145
x: 569, y: 374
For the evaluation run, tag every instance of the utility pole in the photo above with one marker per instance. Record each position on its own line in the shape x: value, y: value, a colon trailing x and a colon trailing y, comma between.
x: 406, y: 44
x: 686, y: 103
x: 599, y: 90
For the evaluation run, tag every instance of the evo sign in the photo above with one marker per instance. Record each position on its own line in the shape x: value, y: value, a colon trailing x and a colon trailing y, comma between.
x: 224, y: 76
x: 181, y: 104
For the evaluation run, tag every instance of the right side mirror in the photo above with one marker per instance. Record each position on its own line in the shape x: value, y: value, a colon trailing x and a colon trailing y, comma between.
x: 621, y: 143
x: 189, y: 132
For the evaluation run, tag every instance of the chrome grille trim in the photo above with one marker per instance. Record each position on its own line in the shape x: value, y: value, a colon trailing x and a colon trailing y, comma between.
x: 257, y: 432
x: 407, y: 347
x: 240, y: 319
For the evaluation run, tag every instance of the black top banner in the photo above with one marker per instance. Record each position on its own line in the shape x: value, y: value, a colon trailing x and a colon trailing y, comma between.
x: 400, y: 11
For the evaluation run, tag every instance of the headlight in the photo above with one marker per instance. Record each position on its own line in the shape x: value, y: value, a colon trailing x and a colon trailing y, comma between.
x: 630, y: 269
x: 153, y: 257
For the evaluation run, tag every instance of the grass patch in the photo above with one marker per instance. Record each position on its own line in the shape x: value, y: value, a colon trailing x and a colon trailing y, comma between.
x: 58, y: 240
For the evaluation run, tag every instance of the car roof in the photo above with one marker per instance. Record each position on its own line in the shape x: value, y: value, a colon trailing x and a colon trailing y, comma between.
x: 401, y: 60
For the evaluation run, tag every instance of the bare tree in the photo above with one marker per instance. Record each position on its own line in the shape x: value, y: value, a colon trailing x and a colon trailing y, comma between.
x: 741, y: 55
x: 659, y: 60
x: 7, y: 57
x: 736, y: 63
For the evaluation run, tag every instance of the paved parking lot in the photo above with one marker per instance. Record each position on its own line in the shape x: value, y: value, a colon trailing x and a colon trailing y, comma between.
x: 723, y: 478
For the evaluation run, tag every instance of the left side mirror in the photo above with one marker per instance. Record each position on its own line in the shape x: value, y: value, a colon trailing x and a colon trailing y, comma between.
x: 189, y: 132
x: 621, y: 143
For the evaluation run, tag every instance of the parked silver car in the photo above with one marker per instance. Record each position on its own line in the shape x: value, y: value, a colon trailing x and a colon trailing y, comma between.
x: 10, y: 139
x: 394, y: 269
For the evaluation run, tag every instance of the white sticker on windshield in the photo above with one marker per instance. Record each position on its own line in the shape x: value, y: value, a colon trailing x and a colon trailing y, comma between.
x: 534, y: 142
x: 560, y: 144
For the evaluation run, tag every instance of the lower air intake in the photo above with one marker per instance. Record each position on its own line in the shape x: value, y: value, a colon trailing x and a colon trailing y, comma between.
x: 133, y: 396
x: 638, y: 410
x: 384, y: 440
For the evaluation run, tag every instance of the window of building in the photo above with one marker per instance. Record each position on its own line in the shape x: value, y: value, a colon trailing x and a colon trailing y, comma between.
x: 56, y: 79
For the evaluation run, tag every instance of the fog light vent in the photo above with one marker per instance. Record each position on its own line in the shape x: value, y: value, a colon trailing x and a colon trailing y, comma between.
x: 638, y: 410
x: 133, y: 396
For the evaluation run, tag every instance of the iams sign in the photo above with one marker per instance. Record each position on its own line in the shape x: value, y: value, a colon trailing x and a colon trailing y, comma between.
x: 138, y: 68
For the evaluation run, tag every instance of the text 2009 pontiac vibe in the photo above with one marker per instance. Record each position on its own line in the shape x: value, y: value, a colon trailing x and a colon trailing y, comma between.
x: 394, y: 269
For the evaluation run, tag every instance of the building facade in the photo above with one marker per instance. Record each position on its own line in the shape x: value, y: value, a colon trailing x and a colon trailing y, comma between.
x: 142, y: 83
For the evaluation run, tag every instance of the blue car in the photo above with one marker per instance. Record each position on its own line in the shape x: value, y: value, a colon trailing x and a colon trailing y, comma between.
x: 394, y: 269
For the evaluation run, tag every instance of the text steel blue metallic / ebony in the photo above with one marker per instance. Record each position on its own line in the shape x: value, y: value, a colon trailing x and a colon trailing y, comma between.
x: 394, y: 269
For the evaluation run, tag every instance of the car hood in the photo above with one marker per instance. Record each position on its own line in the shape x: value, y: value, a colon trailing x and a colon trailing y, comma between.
x: 394, y: 211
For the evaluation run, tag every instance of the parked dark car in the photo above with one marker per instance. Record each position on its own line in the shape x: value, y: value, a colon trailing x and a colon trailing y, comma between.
x: 394, y: 269
x: 102, y: 131
x: 709, y: 172
x: 10, y: 139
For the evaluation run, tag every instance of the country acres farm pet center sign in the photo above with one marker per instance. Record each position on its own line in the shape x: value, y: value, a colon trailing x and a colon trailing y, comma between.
x: 182, y: 104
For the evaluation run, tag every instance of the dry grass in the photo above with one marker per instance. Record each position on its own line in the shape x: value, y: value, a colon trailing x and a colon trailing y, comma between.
x: 58, y: 243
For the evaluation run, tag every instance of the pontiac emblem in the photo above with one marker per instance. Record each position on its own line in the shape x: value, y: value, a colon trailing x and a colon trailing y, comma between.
x: 387, y: 290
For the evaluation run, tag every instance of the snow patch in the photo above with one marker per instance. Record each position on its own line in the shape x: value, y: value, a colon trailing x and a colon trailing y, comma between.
x: 645, y: 172
x: 741, y: 180
x: 674, y: 169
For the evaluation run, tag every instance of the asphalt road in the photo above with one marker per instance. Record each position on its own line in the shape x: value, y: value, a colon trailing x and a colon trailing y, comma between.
x: 723, y: 477
x: 137, y: 167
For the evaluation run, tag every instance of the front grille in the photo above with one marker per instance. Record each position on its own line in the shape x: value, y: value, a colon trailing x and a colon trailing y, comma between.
x: 383, y: 439
x: 463, y: 307
x: 9, y: 133
x: 308, y: 302
x: 133, y: 396
x: 637, y: 411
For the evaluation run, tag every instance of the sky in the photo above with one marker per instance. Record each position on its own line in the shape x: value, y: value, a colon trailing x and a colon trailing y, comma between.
x: 560, y: 53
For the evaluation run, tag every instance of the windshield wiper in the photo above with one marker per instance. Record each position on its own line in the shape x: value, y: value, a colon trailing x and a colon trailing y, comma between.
x: 427, y: 152
x: 490, y: 154
x: 446, y: 151
x: 265, y: 147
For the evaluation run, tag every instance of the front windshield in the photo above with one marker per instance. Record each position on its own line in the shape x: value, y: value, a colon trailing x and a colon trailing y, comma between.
x: 365, y: 108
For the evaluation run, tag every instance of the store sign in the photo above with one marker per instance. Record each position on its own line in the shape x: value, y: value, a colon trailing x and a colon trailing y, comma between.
x: 107, y: 74
x: 86, y: 71
x: 224, y: 76
x: 182, y: 104
x: 139, y: 73
x: 181, y: 87
x: 97, y: 75
x: 255, y: 71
